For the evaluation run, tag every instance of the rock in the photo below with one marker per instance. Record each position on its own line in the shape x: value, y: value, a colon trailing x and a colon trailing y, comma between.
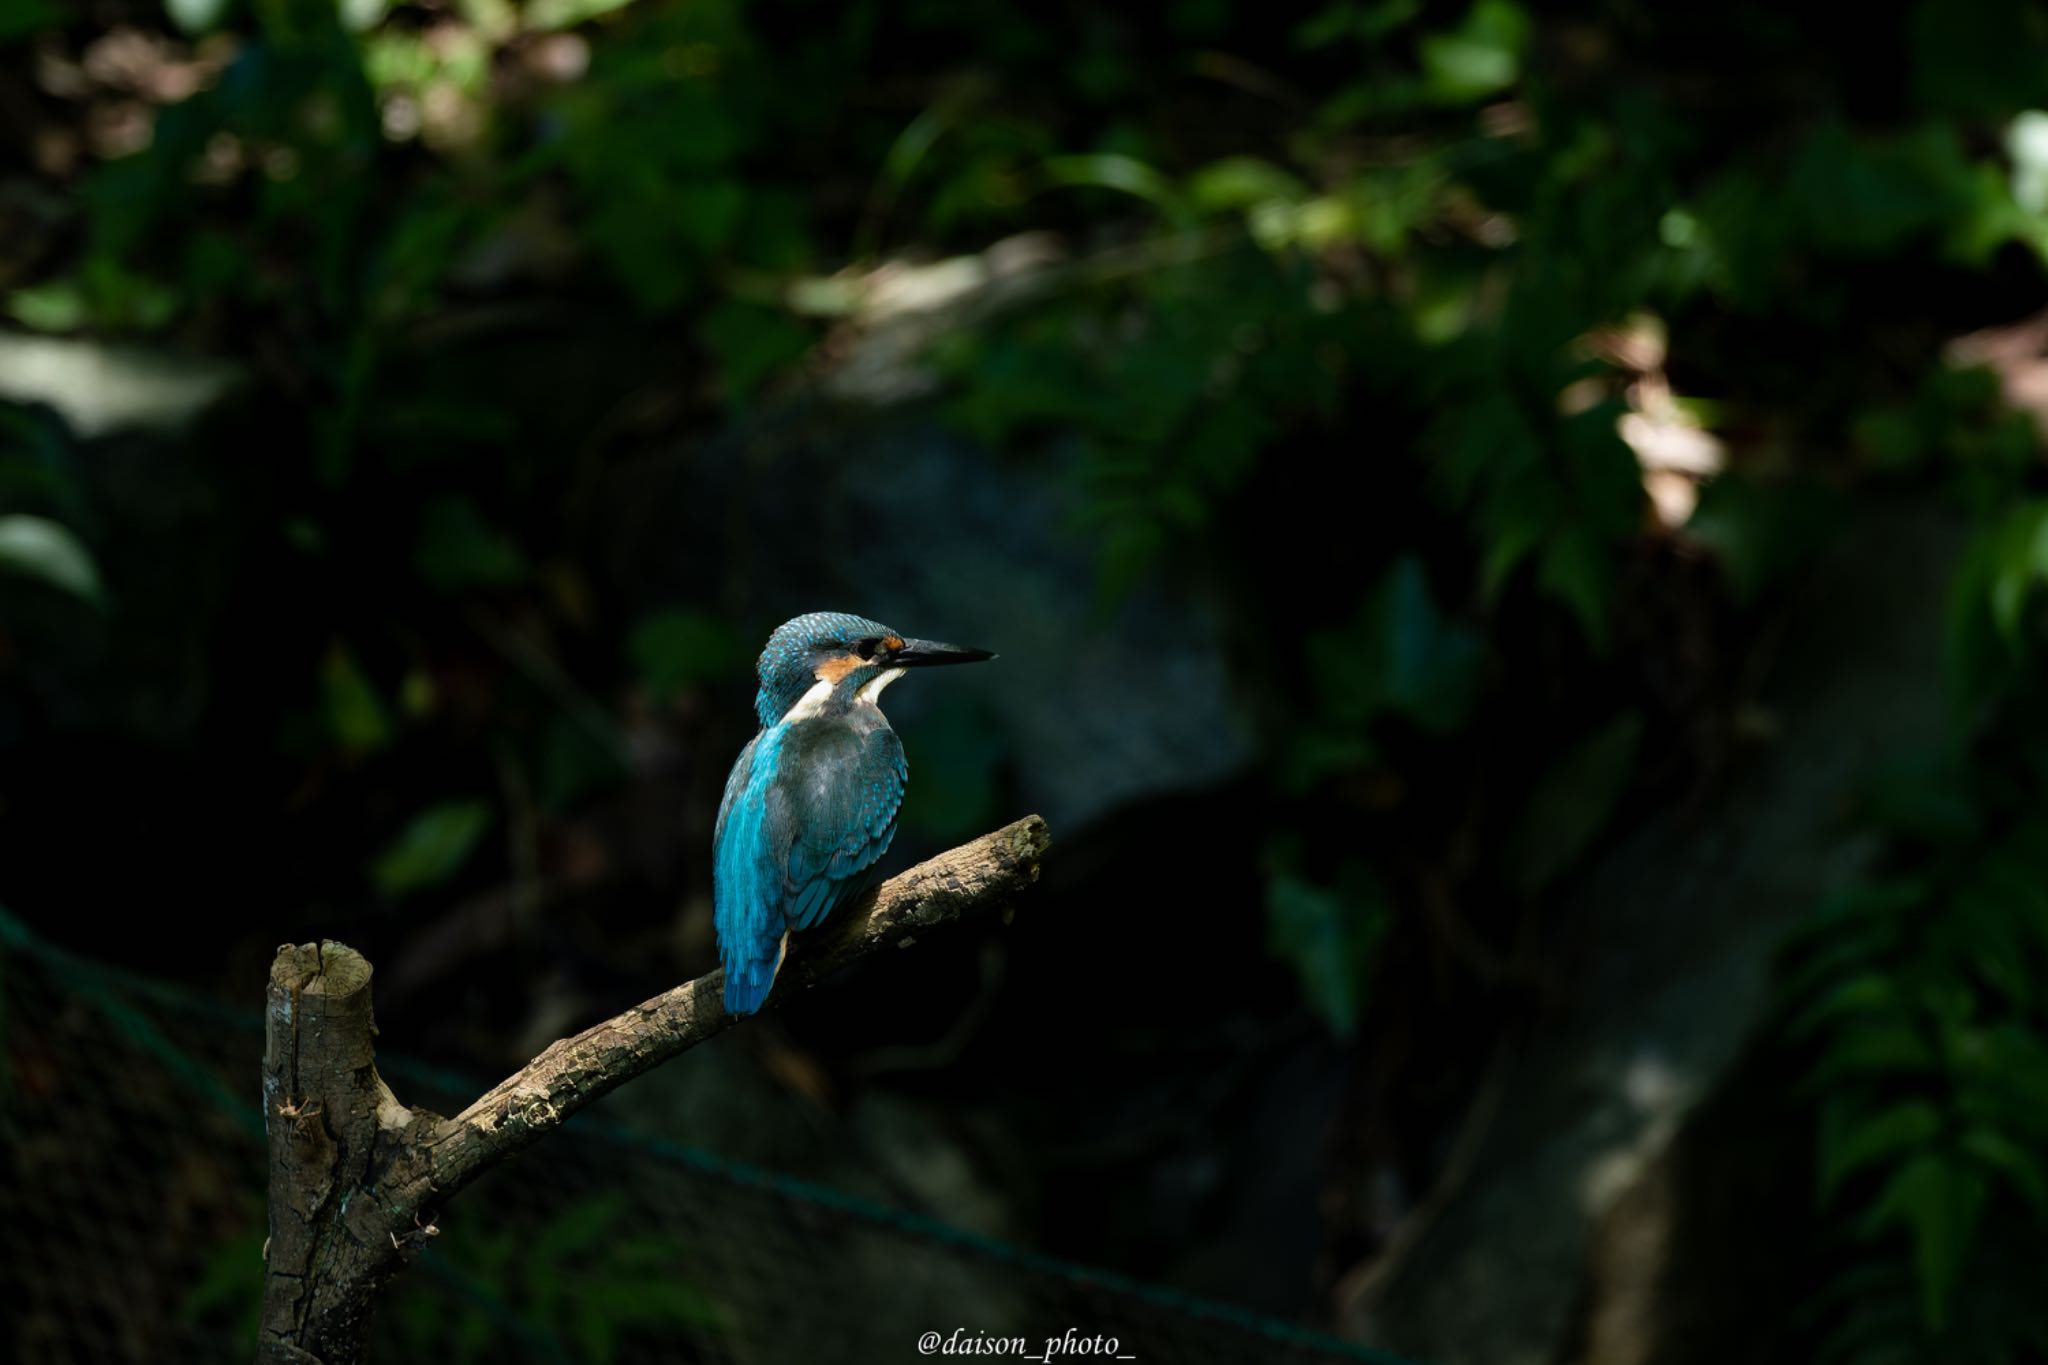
x: 1674, y: 934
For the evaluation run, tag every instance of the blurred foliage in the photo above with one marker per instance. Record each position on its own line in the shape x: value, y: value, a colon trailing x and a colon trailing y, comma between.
x: 572, y: 1283
x: 566, y: 1288
x: 1353, y: 305
x: 1918, y: 1000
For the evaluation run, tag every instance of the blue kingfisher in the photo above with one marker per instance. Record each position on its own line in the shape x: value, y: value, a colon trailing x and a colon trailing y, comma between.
x: 810, y: 806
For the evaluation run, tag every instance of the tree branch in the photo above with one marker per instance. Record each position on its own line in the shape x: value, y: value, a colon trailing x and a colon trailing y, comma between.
x: 356, y: 1177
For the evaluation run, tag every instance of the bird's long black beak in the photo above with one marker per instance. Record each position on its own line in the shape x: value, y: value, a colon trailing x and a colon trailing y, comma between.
x: 926, y: 653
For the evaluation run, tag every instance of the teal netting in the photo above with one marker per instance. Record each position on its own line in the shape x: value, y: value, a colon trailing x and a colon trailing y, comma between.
x: 131, y: 1226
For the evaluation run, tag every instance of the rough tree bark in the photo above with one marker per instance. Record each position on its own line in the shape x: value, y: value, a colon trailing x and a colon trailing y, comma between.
x: 356, y: 1177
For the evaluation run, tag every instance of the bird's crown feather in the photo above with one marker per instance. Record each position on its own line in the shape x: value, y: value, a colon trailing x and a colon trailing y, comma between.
x: 787, y: 667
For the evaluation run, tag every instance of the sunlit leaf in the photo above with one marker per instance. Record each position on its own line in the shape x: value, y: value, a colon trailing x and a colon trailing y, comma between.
x: 195, y: 16
x: 1123, y: 174
x: 542, y: 15
x: 58, y: 306
x: 1243, y: 182
x: 36, y: 547
x: 1480, y: 57
x: 356, y: 15
x: 2026, y: 143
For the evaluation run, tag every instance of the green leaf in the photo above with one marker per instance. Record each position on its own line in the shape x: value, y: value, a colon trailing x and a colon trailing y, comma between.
x: 195, y: 16
x: 1871, y: 992
x: 1760, y: 532
x: 1889, y: 437
x: 36, y: 547
x: 1331, y: 936
x: 677, y: 649
x: 1328, y: 25
x: 1398, y: 656
x: 2008, y: 1071
x: 355, y: 717
x: 1889, y: 1049
x: 574, y: 762
x: 1123, y: 174
x: 597, y: 1332
x: 1867, y: 1138
x: 1938, y: 1198
x: 458, y: 549
x: 1865, y: 196
x: 542, y: 15
x: 1978, y: 62
x: 1925, y: 798
x: 1429, y: 666
x: 2023, y: 559
x: 357, y: 16
x: 1315, y: 750
x: 1243, y: 182
x: 1574, y: 569
x: 2026, y: 144
x: 574, y: 1232
x: 2022, y: 1166
x: 432, y: 847
x: 752, y: 344
x: 1481, y: 57
x: 1573, y: 803
x: 661, y: 1300
x: 58, y: 306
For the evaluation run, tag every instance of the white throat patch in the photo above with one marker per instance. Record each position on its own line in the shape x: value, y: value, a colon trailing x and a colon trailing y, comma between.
x: 810, y: 703
x: 871, y: 691
x: 813, y: 701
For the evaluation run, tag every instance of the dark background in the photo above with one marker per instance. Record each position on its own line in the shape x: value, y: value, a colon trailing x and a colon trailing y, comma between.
x: 1512, y: 533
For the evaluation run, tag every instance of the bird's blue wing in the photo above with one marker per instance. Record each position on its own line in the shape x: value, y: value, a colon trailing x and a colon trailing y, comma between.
x: 735, y: 783
x: 745, y: 904
x: 849, y: 797
x: 809, y: 810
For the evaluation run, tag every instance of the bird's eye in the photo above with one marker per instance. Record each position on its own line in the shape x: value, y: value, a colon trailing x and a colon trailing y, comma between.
x: 866, y: 648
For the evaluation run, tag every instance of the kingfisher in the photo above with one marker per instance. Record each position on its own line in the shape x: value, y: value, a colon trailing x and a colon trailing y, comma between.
x: 810, y: 806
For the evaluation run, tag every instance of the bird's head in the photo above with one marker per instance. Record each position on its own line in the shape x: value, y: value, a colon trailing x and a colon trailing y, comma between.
x: 830, y: 656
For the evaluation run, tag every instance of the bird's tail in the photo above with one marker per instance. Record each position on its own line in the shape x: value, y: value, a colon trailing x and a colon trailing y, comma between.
x: 748, y: 981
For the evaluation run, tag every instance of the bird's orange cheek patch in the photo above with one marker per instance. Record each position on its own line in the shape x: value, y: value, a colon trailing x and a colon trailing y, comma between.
x: 832, y: 670
x: 892, y: 643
